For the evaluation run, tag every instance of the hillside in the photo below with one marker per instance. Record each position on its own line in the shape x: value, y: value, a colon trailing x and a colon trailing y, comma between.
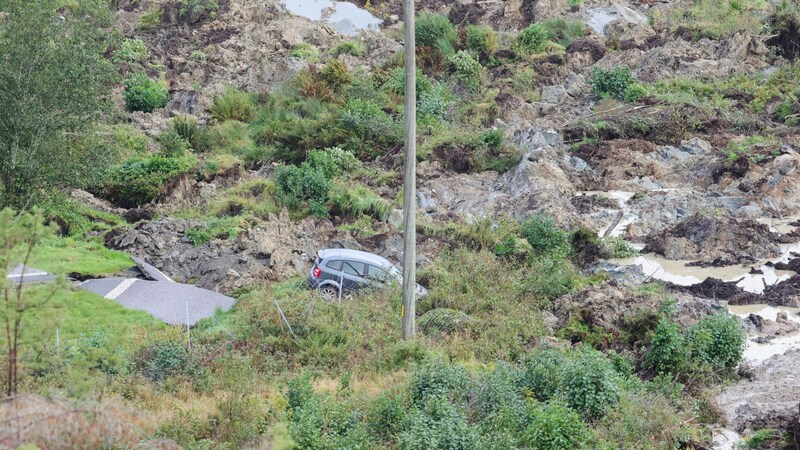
x: 608, y: 210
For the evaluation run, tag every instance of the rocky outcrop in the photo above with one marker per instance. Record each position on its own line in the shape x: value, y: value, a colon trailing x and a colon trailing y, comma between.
x: 772, y: 328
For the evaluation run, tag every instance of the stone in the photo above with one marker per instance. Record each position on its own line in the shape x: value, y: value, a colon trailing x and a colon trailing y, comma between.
x: 553, y: 94
x: 696, y: 146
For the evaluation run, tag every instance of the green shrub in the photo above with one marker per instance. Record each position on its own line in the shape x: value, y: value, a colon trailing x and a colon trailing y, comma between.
x: 437, y: 426
x: 197, y: 7
x: 387, y: 415
x: 298, y: 185
x: 564, y: 31
x: 539, y: 372
x: 430, y: 28
x: 635, y: 92
x: 305, y: 51
x: 231, y: 137
x: 356, y: 201
x: 436, y: 379
x: 589, y: 383
x: 789, y: 110
x: 370, y: 130
x: 667, y: 352
x: 615, y: 83
x: 551, y: 277
x: 545, y: 236
x: 532, y: 39
x: 645, y: 421
x: 443, y: 321
x: 718, y: 340
x: 353, y: 48
x: 434, y: 105
x: 172, y: 144
x: 336, y: 74
x: 396, y: 82
x: 233, y: 104
x: 142, y: 179
x: 481, y: 39
x: 467, y: 70
x: 144, y: 94
x: 151, y: 19
x: 766, y: 438
x: 187, y: 128
x: 554, y: 426
x: 132, y: 51
x: 162, y: 360
x: 617, y: 247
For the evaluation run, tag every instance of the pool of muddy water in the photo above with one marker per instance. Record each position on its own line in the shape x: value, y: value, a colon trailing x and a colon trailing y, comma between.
x: 346, y: 18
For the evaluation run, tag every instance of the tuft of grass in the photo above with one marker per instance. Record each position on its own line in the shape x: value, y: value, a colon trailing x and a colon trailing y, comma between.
x: 305, y: 51
x: 717, y: 19
x: 356, y: 201
x: 353, y: 48
x: 233, y: 104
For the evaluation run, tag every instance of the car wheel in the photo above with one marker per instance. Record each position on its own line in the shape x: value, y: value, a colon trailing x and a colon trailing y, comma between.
x: 329, y: 292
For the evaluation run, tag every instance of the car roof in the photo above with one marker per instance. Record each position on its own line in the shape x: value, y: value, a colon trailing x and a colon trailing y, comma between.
x: 356, y: 255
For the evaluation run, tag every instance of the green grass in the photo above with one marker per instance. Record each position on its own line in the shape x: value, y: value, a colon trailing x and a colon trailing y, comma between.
x: 62, y: 256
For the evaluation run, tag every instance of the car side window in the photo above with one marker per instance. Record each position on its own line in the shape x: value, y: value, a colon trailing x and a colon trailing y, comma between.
x: 354, y: 268
x: 376, y: 273
x: 335, y: 265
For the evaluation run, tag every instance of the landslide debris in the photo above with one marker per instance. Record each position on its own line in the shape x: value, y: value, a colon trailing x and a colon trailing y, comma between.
x: 718, y: 241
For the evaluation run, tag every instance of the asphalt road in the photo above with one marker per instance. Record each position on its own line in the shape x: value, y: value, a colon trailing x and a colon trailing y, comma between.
x: 30, y: 275
x: 165, y: 300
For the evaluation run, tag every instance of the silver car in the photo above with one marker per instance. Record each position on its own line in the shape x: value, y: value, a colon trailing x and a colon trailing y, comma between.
x: 339, y: 271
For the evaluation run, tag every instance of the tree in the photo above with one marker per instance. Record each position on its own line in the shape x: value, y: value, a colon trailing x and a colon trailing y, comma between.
x: 55, y: 87
x: 19, y: 234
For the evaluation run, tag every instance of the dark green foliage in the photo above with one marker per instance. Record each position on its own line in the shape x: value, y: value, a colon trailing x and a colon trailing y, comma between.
x: 437, y: 425
x: 433, y: 106
x: 233, y: 104
x: 668, y: 352
x: 589, y: 383
x: 300, y: 184
x: 132, y: 51
x: 545, y: 237
x: 356, y: 201
x: 789, y: 110
x: 435, y: 380
x: 173, y: 144
x: 467, y: 70
x: 187, y: 128
x: 532, y: 39
x: 142, y: 179
x: 164, y: 359
x: 194, y: 8
x: 336, y: 74
x: 144, y: 94
x: 396, y: 82
x: 55, y: 86
x: 443, y: 321
x: 616, y: 83
x: 554, y: 426
x: 481, y: 39
x: 718, y: 340
x: 540, y: 370
x: 430, y: 28
x: 369, y: 130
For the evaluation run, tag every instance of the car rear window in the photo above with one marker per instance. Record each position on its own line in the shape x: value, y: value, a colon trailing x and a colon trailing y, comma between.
x: 335, y: 265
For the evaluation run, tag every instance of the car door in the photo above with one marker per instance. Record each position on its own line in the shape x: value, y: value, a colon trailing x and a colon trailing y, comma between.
x: 353, y: 275
x: 376, y: 276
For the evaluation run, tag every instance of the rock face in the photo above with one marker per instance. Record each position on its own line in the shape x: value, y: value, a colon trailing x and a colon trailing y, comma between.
x: 771, y: 399
x: 717, y: 240
x: 771, y: 328
x: 279, y: 248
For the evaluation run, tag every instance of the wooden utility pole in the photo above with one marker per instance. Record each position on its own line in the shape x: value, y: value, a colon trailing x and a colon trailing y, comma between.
x: 410, y: 180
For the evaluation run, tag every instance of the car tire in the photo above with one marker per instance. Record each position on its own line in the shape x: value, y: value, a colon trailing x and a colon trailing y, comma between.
x: 329, y: 292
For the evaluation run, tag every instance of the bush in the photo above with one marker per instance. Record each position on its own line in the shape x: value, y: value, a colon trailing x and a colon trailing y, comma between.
x: 545, y: 237
x: 718, y: 340
x: 371, y: 131
x: 132, y: 51
x: 197, y: 8
x: 589, y: 383
x: 187, y: 128
x: 616, y: 83
x: 172, y: 144
x: 617, y: 247
x: 305, y: 51
x: 144, y: 94
x: 551, y: 277
x: 356, y: 201
x: 645, y: 421
x: 336, y: 74
x: 151, y: 19
x: 789, y: 110
x: 233, y: 104
x: 298, y: 185
x: 481, y: 39
x: 142, y: 179
x: 554, y: 426
x: 467, y: 70
x: 539, y: 373
x: 564, y: 31
x: 163, y: 360
x: 434, y: 105
x: 438, y: 426
x: 667, y: 352
x: 430, y: 28
x: 436, y: 379
x: 396, y: 82
x: 353, y: 48
x: 532, y: 39
x: 233, y: 138
x: 443, y: 321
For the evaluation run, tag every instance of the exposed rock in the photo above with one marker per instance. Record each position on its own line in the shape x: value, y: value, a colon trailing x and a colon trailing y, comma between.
x: 599, y: 18
x: 89, y: 200
x: 707, y: 238
x: 768, y: 400
x: 781, y: 325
